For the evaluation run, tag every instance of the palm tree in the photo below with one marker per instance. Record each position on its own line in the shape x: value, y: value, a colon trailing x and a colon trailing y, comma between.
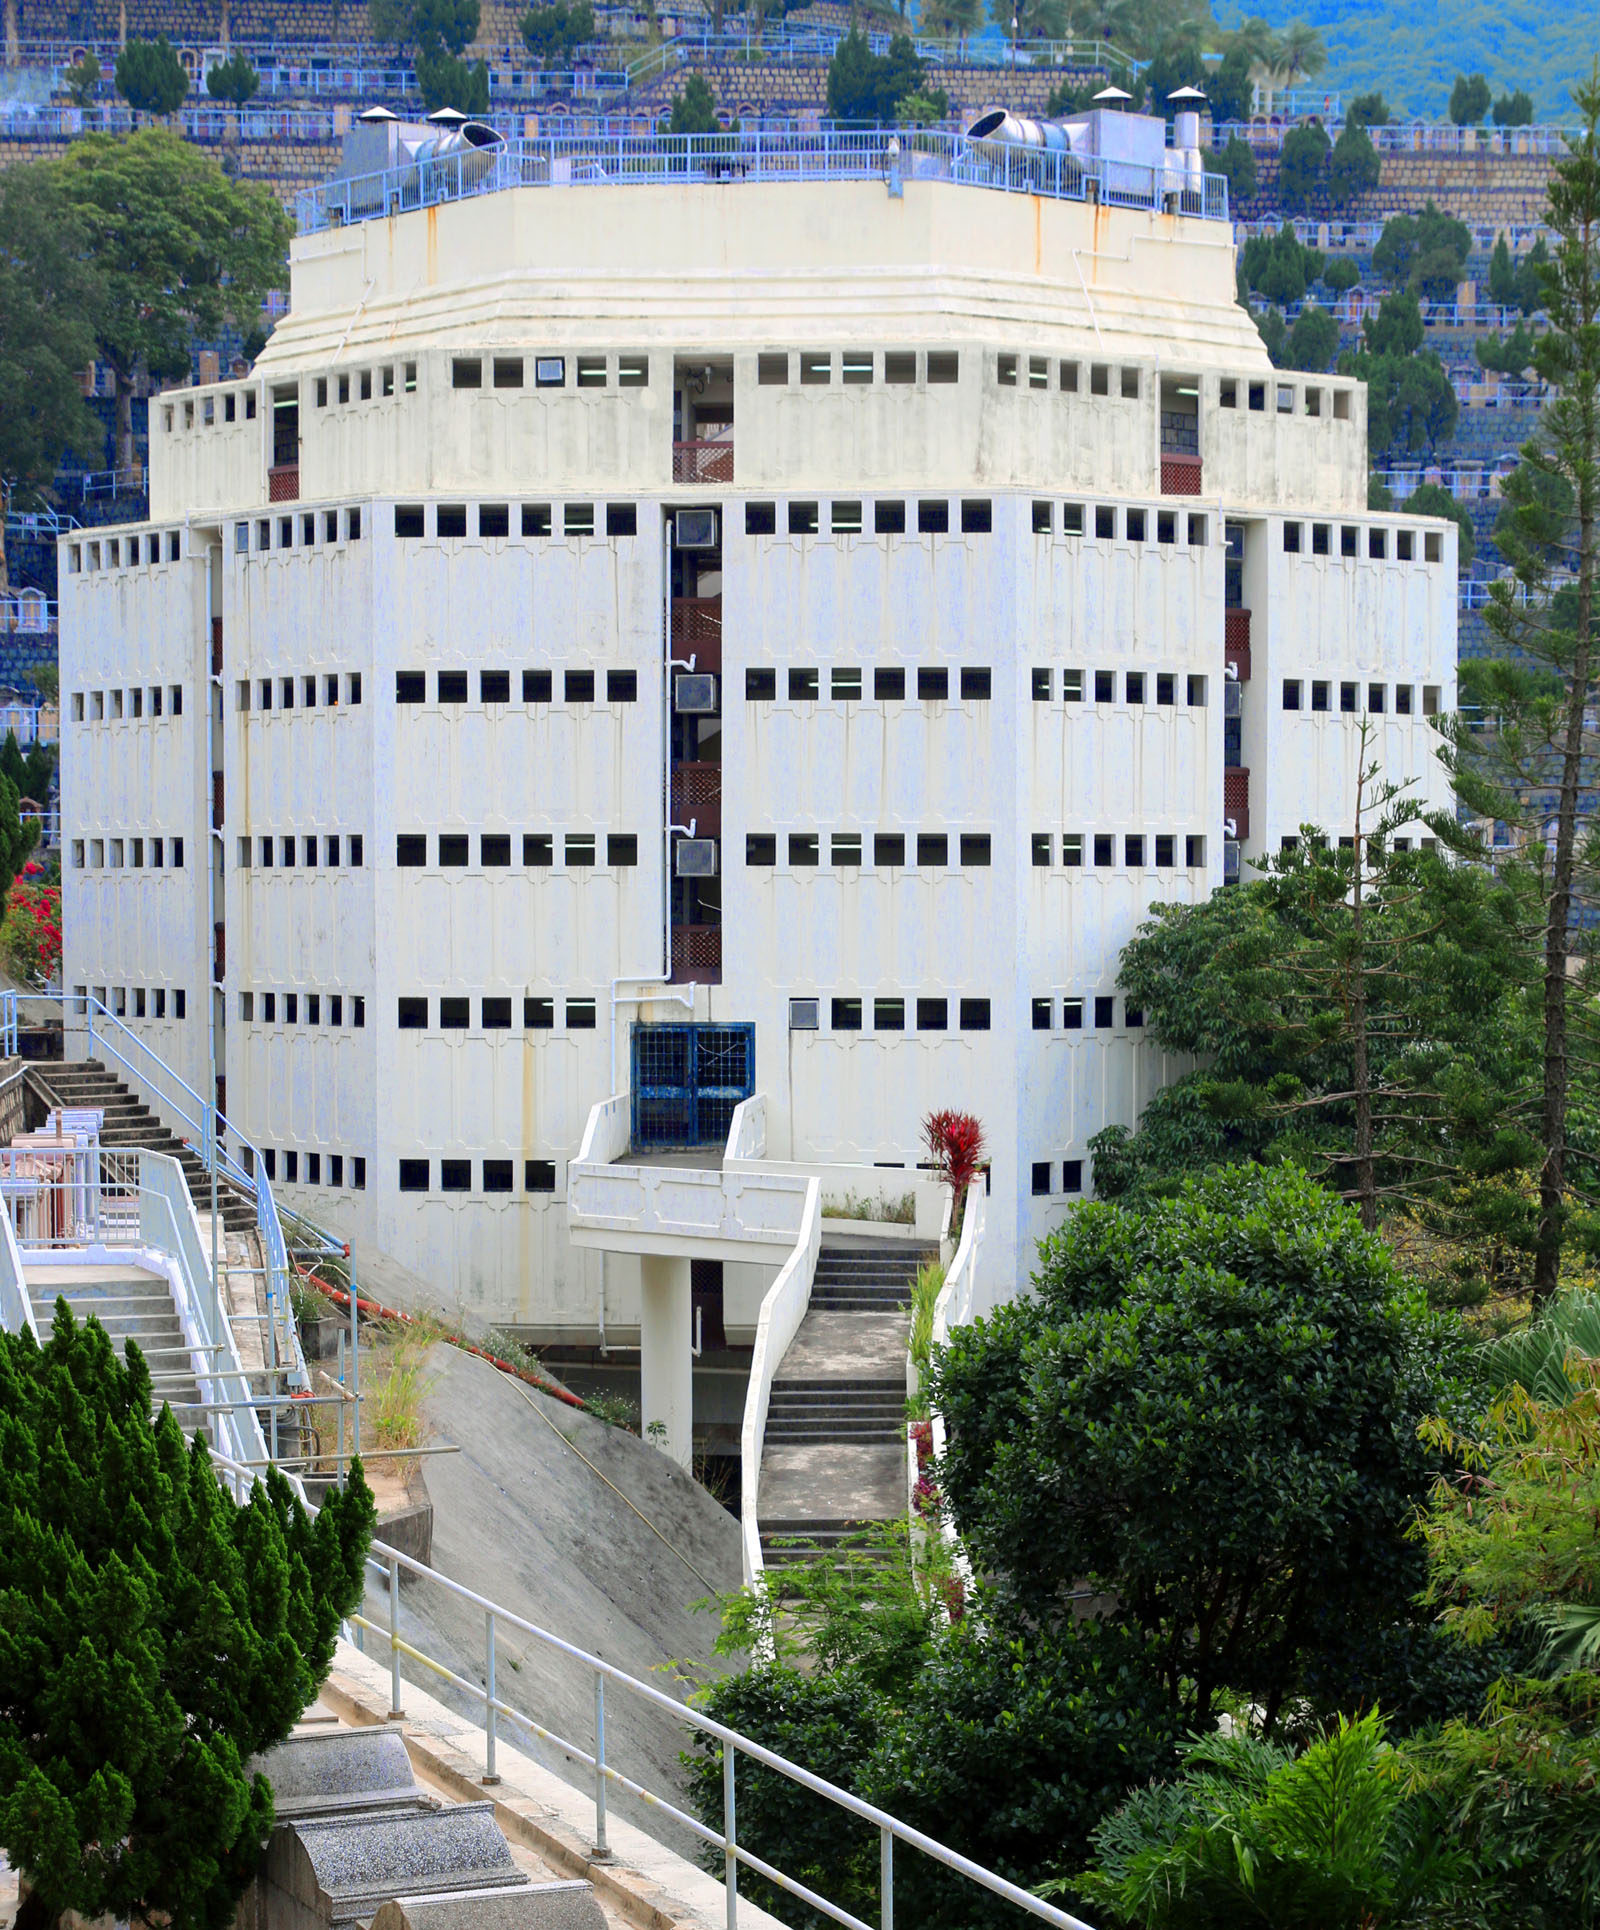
x: 1301, y: 51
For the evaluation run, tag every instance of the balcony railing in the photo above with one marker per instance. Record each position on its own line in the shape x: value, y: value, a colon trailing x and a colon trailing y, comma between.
x: 1180, y: 474
x: 1236, y: 800
x: 697, y: 794
x: 283, y: 483
x: 699, y: 465
x: 1236, y: 643
x: 697, y: 954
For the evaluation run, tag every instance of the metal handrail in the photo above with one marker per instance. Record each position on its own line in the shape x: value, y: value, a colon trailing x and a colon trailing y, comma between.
x: 390, y: 1563
x: 755, y: 154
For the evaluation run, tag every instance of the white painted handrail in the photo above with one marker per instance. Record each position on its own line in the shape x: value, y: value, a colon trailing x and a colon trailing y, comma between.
x: 16, y: 1307
x: 782, y: 1311
x: 606, y: 1134
x: 956, y: 1305
x: 747, y: 1129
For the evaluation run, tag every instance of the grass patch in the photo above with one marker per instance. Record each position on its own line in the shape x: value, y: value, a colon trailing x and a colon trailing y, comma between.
x: 862, y: 1206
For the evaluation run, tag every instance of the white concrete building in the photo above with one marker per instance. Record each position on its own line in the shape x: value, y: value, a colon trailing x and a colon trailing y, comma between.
x: 946, y: 557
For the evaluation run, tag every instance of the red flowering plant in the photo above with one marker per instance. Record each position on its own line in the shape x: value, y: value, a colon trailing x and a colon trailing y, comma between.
x: 955, y: 1145
x: 31, y: 934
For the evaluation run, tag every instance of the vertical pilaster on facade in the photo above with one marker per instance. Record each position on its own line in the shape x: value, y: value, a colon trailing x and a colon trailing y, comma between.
x: 666, y: 1362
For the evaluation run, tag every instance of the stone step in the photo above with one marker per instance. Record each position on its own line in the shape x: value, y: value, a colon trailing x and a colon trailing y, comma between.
x: 797, y: 1433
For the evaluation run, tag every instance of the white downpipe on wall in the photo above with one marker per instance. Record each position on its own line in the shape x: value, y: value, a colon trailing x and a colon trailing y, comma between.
x: 782, y: 1311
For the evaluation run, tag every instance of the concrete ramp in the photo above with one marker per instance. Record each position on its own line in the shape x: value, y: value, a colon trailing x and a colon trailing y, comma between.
x: 520, y: 1519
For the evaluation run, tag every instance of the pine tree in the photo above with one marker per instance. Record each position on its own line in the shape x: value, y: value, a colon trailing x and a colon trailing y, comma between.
x: 1522, y: 751
x: 154, y: 1635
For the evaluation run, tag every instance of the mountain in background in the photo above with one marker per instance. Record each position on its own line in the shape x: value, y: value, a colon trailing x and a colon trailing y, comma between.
x: 1412, y: 50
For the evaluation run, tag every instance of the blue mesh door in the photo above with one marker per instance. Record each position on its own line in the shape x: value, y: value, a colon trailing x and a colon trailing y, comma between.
x: 687, y: 1079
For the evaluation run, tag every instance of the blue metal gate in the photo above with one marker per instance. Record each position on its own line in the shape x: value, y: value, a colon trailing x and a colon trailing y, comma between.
x: 687, y: 1079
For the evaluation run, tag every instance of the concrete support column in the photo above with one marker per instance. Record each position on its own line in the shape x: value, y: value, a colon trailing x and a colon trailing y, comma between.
x: 666, y: 1366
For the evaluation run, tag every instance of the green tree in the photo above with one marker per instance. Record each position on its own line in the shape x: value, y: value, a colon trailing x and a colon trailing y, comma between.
x: 1514, y: 110
x: 150, y: 77
x: 858, y: 1673
x: 1433, y: 499
x: 154, y: 1635
x: 1426, y: 253
x: 695, y: 110
x: 1030, y: 19
x: 1523, y: 757
x: 1313, y: 341
x: 951, y: 19
x: 17, y: 838
x: 1502, y: 274
x: 443, y: 80
x: 83, y: 81
x: 1469, y: 100
x: 49, y: 295
x: 864, y: 86
x: 1339, y: 277
x: 233, y: 80
x: 1353, y: 168
x: 1396, y: 329
x: 1230, y: 88
x: 1510, y: 355
x: 180, y: 248
x: 1303, y: 168
x: 1238, y: 162
x: 1530, y: 277
x: 1411, y: 405
x: 555, y: 33
x: 1274, y: 333
x: 1278, y: 267
x: 1368, y: 110
x: 1205, y: 1414
x: 1179, y: 62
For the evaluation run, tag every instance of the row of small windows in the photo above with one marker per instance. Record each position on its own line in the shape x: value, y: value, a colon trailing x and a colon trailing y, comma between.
x: 1043, y: 1177
x: 494, y: 519
x: 974, y: 684
x: 549, y: 372
x: 1138, y: 687
x: 338, y: 1007
x: 497, y: 1176
x: 125, y: 552
x: 309, y: 1172
x: 856, y: 367
x: 1405, y: 542
x: 233, y: 405
x: 889, y: 848
x: 494, y: 1014
x: 307, y: 685
x: 578, y: 848
x: 1137, y: 524
x: 115, y: 706
x: 308, y: 846
x: 1350, y: 694
x: 137, y: 1001
x: 494, y: 686
x: 889, y: 1014
x: 1077, y: 1015
x: 131, y: 854
x: 361, y: 385
x: 1139, y: 850
x: 305, y: 530
x: 1043, y: 372
x: 974, y: 517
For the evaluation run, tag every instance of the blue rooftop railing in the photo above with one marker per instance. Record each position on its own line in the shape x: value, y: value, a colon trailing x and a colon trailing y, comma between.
x: 763, y: 155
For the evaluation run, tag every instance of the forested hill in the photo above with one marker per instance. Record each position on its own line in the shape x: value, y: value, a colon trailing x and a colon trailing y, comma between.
x: 1413, y: 49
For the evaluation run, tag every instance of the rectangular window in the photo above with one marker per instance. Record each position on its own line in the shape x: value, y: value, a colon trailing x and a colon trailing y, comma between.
x: 1402, y: 700
x: 888, y: 685
x: 975, y: 683
x: 455, y: 1014
x: 1135, y: 525
x: 580, y: 1015
x: 844, y: 519
x: 335, y: 1008
x: 933, y: 685
x: 1068, y: 378
x: 1072, y: 519
x: 933, y: 848
x: 933, y: 518
x: 494, y: 519
x: 888, y: 849
x: 497, y: 1015
x: 1072, y: 1015
x: 1375, y: 698
x: 536, y: 519
x: 1321, y: 539
x: 450, y: 520
x: 494, y: 848
x: 1133, y: 687
x: 816, y: 368
x: 1166, y: 526
x: 539, y: 1175
x: 804, y: 848
x: 1164, y: 857
x: 508, y: 373
x: 760, y: 848
x: 844, y: 684
x: 313, y: 1008
x: 577, y: 519
x: 538, y: 848
x: 1043, y: 1014
x: 973, y: 1015
x: 1099, y: 379
x: 1072, y: 1176
x: 1291, y: 693
x: 772, y: 371
x: 1403, y: 550
x: 1105, y: 1012
x: 537, y: 686
x: 1430, y: 700
x: 355, y: 849
x: 578, y: 848
x: 1042, y: 846
x: 1104, y: 848
x: 1194, y: 852
x: 855, y: 366
x: 494, y: 686
x: 1377, y: 544
x: 977, y: 518
x: 1291, y: 538
x: 803, y: 519
x: 975, y: 847
x: 466, y: 373
x: 760, y: 686
x: 622, y: 848
x: 1319, y: 694
x: 538, y: 1015
x: 846, y: 1015
x: 291, y: 1167
x: 455, y: 1175
x: 1196, y: 688
x: 409, y: 520
x: 410, y: 687
x: 1006, y: 371
x: 622, y: 519
x: 844, y: 848
x: 900, y: 366
x: 944, y: 365
x: 1133, y: 850
x: 336, y: 1169
x: 291, y: 1008
x: 1041, y: 686
x: 933, y: 1015
x: 497, y: 1175
x: 1347, y: 698
x: 802, y: 686
x: 1072, y: 849
x: 1040, y: 1178
x: 577, y: 687
x: 410, y: 849
x: 453, y: 848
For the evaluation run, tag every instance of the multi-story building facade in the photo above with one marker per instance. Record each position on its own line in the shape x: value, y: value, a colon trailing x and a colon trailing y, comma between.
x: 690, y: 638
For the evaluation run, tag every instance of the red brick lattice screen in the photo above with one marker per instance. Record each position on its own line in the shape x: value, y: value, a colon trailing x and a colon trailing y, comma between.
x: 1236, y: 643
x: 1236, y: 800
x: 1180, y: 475
x: 701, y: 463
x: 697, y: 952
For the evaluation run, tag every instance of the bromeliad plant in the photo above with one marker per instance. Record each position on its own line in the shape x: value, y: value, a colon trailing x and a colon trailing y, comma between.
x: 956, y: 1146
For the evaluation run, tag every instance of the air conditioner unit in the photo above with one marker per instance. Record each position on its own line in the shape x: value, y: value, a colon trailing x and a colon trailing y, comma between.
x: 805, y: 1015
x: 695, y: 858
x: 1233, y: 699
x: 694, y: 694
x: 695, y: 529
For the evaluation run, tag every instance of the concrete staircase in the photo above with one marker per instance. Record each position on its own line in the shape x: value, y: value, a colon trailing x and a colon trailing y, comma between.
x: 834, y: 1457
x: 130, y: 1122
x: 130, y: 1304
